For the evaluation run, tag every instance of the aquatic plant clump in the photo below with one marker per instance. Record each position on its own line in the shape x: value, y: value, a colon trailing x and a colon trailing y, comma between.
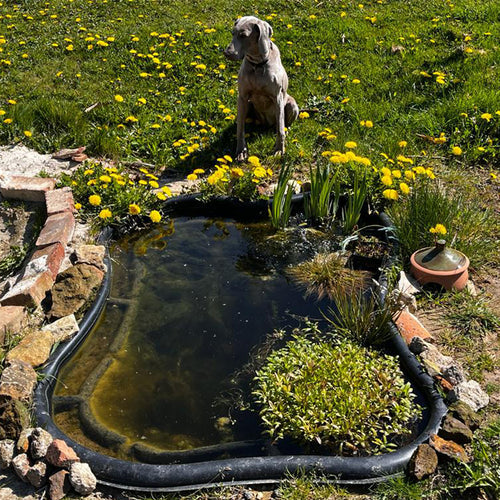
x: 349, y: 399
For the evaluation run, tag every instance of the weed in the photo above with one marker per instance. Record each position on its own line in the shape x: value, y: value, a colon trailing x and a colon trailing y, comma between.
x: 13, y: 260
x: 470, y: 315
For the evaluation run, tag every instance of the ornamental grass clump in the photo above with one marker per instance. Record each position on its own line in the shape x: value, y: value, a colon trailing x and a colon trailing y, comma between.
x: 337, y: 394
x: 325, y: 273
x: 363, y: 317
x: 108, y: 196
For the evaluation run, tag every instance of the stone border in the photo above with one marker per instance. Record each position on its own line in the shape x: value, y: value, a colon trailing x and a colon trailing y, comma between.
x: 39, y: 274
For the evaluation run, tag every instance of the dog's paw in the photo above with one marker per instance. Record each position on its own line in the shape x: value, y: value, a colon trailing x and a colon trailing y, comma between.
x: 279, y: 151
x: 242, y: 155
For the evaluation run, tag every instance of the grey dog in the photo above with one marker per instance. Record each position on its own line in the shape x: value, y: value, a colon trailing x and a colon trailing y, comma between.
x: 262, y: 82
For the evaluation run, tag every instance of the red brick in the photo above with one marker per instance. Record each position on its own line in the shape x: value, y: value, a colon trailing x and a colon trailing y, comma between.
x: 26, y: 188
x: 55, y: 256
x: 29, y: 292
x: 58, y: 228
x: 60, y: 454
x: 409, y: 326
x: 59, y: 200
x: 448, y: 448
x: 11, y: 320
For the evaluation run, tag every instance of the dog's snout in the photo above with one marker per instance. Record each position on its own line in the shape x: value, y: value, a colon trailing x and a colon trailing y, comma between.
x: 231, y: 53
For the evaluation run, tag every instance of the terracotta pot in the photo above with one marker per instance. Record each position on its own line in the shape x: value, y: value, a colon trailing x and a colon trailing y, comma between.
x: 455, y: 279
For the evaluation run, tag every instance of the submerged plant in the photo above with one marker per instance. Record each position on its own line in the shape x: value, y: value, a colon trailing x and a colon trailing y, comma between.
x: 281, y: 206
x: 318, y: 203
x: 337, y: 394
x: 325, y: 273
x: 363, y: 317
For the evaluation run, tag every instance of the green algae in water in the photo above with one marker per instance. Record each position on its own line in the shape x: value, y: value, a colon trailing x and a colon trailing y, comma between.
x: 200, y: 296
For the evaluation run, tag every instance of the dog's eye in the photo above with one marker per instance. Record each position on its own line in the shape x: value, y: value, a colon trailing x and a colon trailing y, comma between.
x: 242, y: 35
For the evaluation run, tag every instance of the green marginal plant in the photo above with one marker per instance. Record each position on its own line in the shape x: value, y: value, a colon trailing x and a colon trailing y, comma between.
x: 362, y: 317
x: 281, y: 206
x: 355, y: 201
x: 324, y: 273
x: 319, y: 203
x: 334, y: 393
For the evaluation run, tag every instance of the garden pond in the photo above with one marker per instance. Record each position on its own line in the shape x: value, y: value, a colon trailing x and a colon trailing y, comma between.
x: 194, y: 304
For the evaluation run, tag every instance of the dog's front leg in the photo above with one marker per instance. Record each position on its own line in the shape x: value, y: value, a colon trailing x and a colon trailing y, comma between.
x: 279, y: 147
x: 241, y: 147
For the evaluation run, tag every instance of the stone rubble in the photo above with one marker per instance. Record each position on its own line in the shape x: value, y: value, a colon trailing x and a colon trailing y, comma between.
x: 40, y: 460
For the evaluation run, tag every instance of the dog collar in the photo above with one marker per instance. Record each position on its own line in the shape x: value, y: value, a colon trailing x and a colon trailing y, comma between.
x: 259, y: 64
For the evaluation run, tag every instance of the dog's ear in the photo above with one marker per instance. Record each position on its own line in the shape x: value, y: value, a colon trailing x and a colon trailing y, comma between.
x: 265, y: 32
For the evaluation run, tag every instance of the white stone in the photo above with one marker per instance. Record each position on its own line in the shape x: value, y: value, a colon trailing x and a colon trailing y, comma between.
x: 408, y: 285
x: 470, y: 392
x: 35, y: 267
x: 63, y: 329
x: 82, y: 478
x: 7, y: 447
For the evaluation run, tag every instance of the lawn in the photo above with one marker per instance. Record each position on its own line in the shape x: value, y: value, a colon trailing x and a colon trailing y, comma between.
x: 147, y: 79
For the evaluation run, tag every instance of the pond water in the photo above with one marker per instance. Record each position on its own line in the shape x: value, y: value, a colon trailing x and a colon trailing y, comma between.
x: 189, y: 302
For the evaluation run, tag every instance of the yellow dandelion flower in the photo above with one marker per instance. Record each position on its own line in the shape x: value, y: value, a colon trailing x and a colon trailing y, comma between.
x: 198, y: 171
x: 402, y: 144
x: 95, y: 200
x: 134, y: 209
x: 259, y: 172
x: 192, y: 177
x: 254, y: 160
x: 405, y: 189
x: 486, y: 116
x: 154, y: 184
x: 105, y: 214
x: 303, y: 115
x: 350, y: 145
x: 237, y: 172
x: 105, y: 178
x: 27, y: 133
x: 118, y: 98
x: 386, y: 180
x: 155, y: 216
x: 166, y: 190
x: 390, y: 194
x: 456, y: 150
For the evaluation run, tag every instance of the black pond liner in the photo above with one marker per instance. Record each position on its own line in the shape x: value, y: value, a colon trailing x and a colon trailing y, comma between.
x: 147, y: 477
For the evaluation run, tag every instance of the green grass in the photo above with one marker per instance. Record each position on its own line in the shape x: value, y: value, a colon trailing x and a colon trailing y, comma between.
x: 54, y: 76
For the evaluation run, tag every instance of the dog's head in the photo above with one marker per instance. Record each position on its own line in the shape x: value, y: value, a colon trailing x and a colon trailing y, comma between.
x: 250, y: 36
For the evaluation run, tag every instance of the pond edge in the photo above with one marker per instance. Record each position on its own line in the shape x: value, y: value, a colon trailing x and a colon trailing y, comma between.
x: 125, y: 475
